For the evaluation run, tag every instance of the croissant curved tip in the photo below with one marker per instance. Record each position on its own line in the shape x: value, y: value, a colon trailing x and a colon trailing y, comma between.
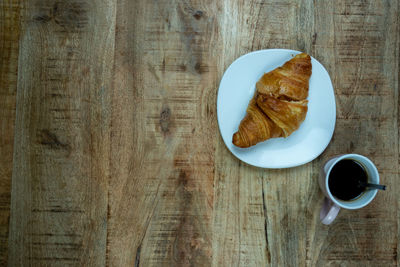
x: 302, y: 55
x: 237, y: 141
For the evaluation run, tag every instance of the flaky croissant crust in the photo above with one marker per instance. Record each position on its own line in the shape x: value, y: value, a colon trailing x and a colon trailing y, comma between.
x: 279, y: 105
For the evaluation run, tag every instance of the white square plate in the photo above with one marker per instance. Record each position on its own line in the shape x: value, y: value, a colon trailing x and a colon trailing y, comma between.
x: 302, y: 146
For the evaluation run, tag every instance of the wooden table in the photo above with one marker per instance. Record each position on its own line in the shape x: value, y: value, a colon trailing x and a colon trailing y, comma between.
x: 110, y: 149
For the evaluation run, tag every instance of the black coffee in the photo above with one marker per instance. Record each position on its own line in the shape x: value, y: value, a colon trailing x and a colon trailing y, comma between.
x: 347, y: 179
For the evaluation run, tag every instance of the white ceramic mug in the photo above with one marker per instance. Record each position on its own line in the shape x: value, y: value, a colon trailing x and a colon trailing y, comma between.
x: 332, y: 205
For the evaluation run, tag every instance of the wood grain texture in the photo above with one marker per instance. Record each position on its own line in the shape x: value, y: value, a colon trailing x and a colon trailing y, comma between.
x: 9, y: 36
x: 162, y: 110
x: 117, y: 158
x: 61, y: 159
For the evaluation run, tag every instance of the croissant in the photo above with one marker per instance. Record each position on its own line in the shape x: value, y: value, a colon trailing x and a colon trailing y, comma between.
x: 289, y: 81
x: 254, y: 127
x: 279, y: 104
x: 287, y: 115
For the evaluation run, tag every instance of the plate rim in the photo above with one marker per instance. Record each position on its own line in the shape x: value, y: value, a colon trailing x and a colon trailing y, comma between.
x: 277, y: 166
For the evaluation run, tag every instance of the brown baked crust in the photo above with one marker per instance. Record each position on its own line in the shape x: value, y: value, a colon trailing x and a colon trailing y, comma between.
x: 279, y: 105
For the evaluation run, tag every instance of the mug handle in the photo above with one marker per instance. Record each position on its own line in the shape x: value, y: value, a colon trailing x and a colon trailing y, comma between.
x: 329, y: 211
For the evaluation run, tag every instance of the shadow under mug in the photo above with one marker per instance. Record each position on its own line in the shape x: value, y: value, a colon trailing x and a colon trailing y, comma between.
x: 332, y: 205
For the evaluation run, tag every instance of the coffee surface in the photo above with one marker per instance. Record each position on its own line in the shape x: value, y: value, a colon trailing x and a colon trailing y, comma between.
x: 347, y: 179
